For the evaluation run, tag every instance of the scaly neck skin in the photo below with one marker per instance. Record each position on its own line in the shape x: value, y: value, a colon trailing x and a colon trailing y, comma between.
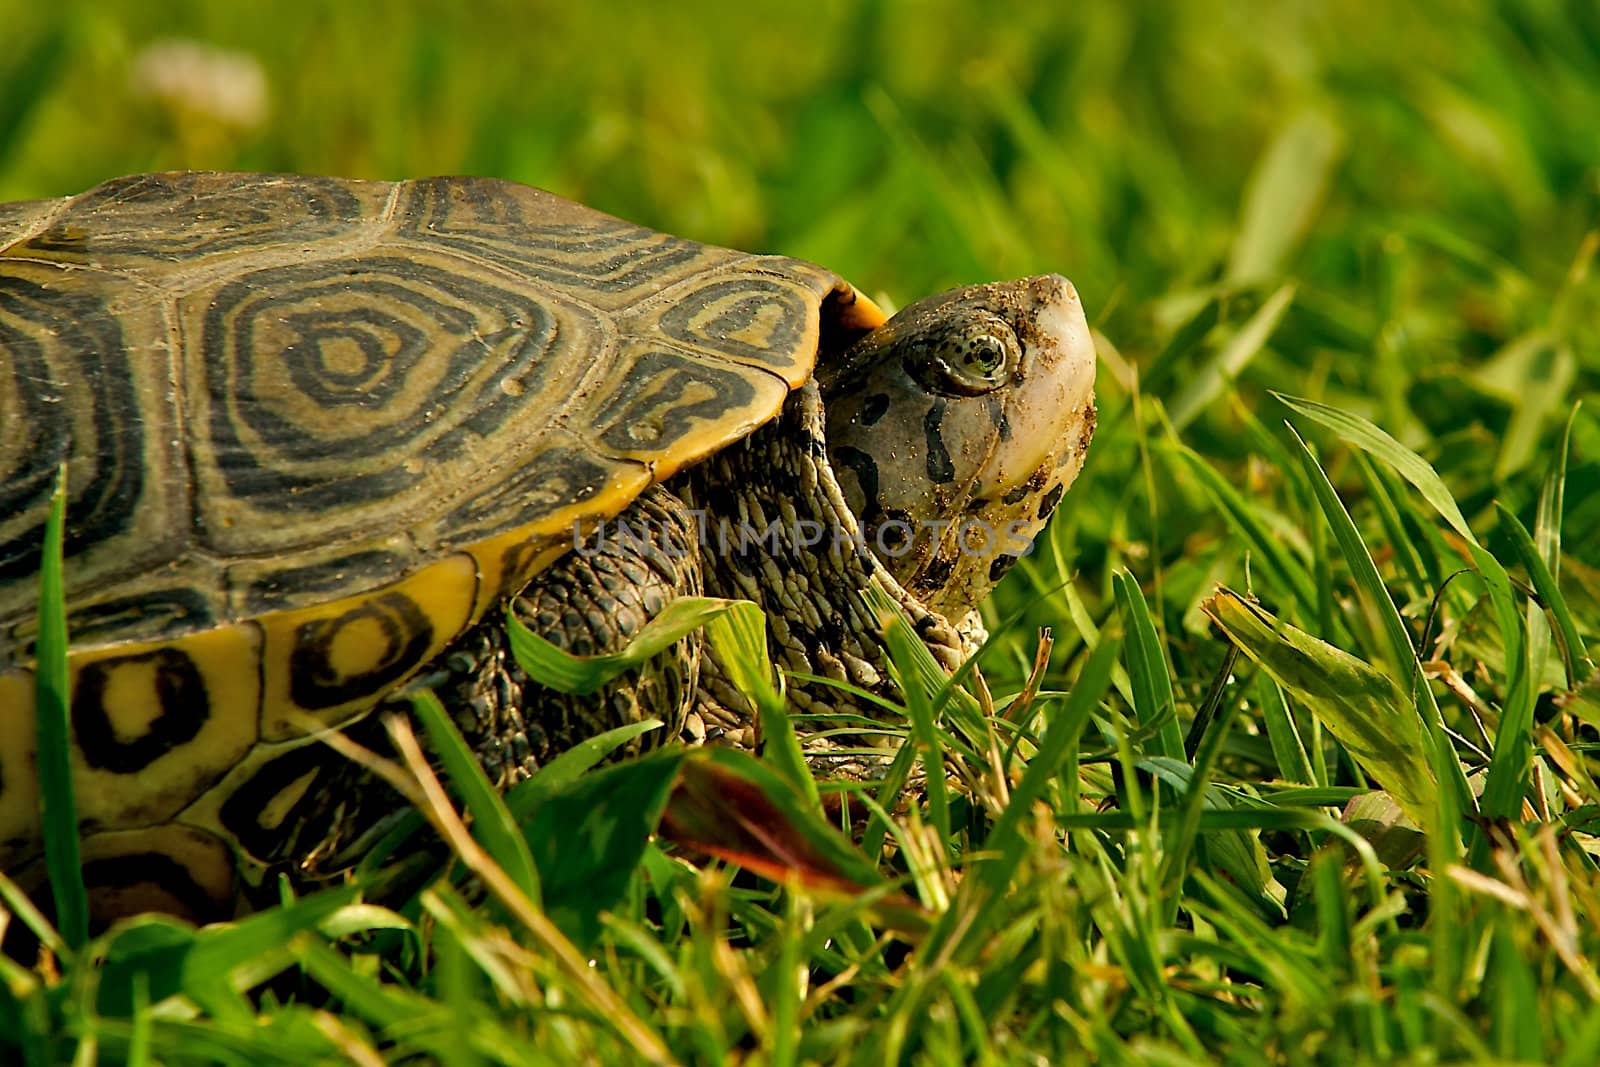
x: 955, y: 429
x: 809, y: 581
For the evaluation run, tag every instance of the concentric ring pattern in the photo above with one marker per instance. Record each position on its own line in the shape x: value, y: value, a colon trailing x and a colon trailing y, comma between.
x: 313, y: 428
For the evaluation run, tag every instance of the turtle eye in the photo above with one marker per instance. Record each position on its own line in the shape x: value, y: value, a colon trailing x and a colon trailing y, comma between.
x: 977, y: 360
x: 985, y: 356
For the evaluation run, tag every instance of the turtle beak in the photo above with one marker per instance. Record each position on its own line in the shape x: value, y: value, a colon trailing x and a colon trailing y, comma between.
x: 1050, y: 408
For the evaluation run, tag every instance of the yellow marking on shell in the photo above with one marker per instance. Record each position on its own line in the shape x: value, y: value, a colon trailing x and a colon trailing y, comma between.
x: 133, y: 762
x: 513, y: 558
x: 761, y: 313
x: 218, y: 735
x: 140, y: 887
x: 334, y: 661
x: 131, y: 692
x: 19, y: 773
x: 206, y: 813
x: 352, y: 645
x: 705, y: 442
x: 508, y: 561
x: 175, y: 223
x: 761, y: 328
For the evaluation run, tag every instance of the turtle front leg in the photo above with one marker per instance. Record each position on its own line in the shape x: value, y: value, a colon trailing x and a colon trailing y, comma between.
x: 591, y: 602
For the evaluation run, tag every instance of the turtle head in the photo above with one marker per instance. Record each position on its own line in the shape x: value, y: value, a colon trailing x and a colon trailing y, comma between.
x: 954, y: 428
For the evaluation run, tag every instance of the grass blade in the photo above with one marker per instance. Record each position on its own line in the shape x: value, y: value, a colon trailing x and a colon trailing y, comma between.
x: 1289, y: 752
x: 492, y: 823
x: 564, y: 769
x: 1147, y: 672
x: 904, y: 646
x: 1513, y: 745
x: 1059, y: 742
x: 1541, y: 556
x: 588, y: 840
x: 1216, y: 374
x: 1579, y: 667
x: 581, y: 675
x: 738, y: 637
x: 1285, y: 193
x: 1361, y: 706
x: 55, y: 732
x: 1243, y: 517
x: 1369, y: 584
x: 1412, y: 467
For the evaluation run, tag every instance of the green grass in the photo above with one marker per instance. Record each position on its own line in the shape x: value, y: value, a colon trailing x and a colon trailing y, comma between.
x: 1340, y: 261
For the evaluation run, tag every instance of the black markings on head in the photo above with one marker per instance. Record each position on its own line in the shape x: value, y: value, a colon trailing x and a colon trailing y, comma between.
x: 175, y: 687
x: 1001, y: 564
x: 118, y: 875
x: 894, y: 535
x: 997, y: 413
x: 937, y: 573
x: 865, y: 469
x: 405, y: 633
x: 874, y: 408
x: 940, y: 469
x: 1051, y: 499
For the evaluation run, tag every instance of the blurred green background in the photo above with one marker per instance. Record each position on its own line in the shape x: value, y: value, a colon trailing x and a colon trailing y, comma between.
x: 1424, y: 176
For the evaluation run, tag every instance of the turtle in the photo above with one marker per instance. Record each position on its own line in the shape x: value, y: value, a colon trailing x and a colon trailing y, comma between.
x: 321, y: 434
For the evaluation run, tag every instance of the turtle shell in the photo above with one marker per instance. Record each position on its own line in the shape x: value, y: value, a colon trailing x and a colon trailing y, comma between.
x: 316, y: 428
